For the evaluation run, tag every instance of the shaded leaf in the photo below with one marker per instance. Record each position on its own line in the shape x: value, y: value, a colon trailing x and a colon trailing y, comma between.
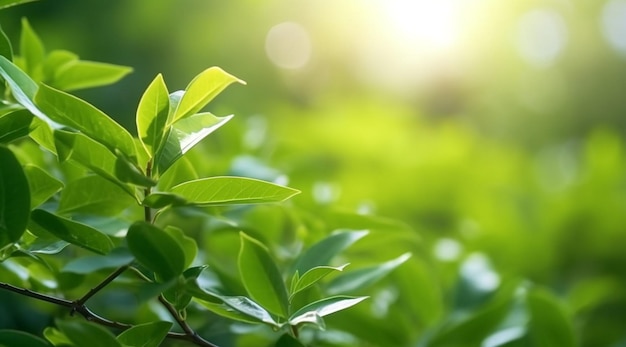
x: 94, y: 195
x: 161, y: 200
x: 324, y: 251
x: 16, y: 338
x: 31, y: 49
x: 255, y: 314
x: 86, y: 265
x: 178, y: 294
x: 156, y: 250
x: 324, y: 307
x: 54, y: 62
x: 152, y: 114
x: 14, y: 198
x: 362, y: 278
x: 201, y: 90
x: 56, y: 337
x: 313, y: 276
x: 15, y: 125
x: 71, y: 111
x: 81, y: 74
x: 6, y: 50
x: 9, y: 3
x: 145, y: 335
x: 187, y: 243
x: 42, y: 186
x: 261, y: 277
x: 288, y: 341
x: 73, y: 232
x: 550, y: 325
x: 183, y: 136
x: 232, y: 190
x: 82, y: 333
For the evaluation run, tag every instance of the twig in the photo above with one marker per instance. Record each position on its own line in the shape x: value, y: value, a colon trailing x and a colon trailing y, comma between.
x: 109, y: 279
x: 183, y: 324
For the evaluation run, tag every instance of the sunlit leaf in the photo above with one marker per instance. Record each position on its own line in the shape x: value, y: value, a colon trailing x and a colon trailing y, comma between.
x: 152, y: 115
x: 145, y: 335
x: 73, y: 232
x: 14, y: 198
x: 311, y: 318
x: 31, y: 49
x: 9, y: 3
x: 321, y: 253
x: 313, y: 276
x: 54, y: 62
x: 156, y: 250
x: 19, y: 338
x: 82, y: 333
x: 201, y: 90
x: 71, y: 111
x: 261, y: 277
x: 56, y: 337
x: 41, y: 184
x: 6, y: 50
x: 15, y: 125
x: 362, y: 278
x: 254, y: 313
x: 232, y: 190
x: 324, y: 307
x: 94, y: 195
x: 183, y: 136
x: 90, y: 264
x: 81, y: 74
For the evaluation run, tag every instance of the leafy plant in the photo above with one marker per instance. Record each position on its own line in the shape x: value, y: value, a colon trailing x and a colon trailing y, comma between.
x: 84, y: 204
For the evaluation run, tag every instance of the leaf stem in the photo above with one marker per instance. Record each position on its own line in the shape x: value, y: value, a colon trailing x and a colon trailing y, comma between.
x: 101, y: 285
x: 183, y: 324
x: 147, y: 211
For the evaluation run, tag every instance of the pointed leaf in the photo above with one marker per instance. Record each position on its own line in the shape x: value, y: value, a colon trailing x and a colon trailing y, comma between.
x: 247, y: 312
x: 312, y: 318
x: 94, y: 195
x: 15, y: 125
x: 314, y: 275
x: 325, y: 250
x: 69, y: 110
x: 6, y: 50
x: 183, y: 136
x: 152, y: 115
x: 362, y: 278
x: 42, y: 134
x: 42, y: 186
x: 250, y: 308
x: 81, y: 333
x: 31, y: 49
x: 54, y: 63
x: 232, y: 190
x: 19, y: 338
x: 71, y: 231
x: 9, y: 3
x: 156, y: 250
x: 14, y: 198
x: 81, y: 74
x: 261, y: 277
x: 145, y: 335
x: 178, y: 294
x: 201, y: 90
x: 324, y: 307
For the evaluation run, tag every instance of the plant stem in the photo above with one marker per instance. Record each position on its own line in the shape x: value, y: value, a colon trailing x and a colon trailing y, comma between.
x: 109, y: 279
x: 183, y: 324
x: 147, y: 211
x: 294, y: 331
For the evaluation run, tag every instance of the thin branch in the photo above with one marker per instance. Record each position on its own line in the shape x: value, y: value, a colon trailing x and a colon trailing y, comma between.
x: 109, y: 279
x: 183, y: 324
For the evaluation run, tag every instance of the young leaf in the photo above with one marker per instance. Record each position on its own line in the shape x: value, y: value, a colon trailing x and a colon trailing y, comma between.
x: 81, y: 333
x: 241, y: 309
x: 152, y: 115
x: 94, y: 195
x: 183, y: 136
x: 156, y: 250
x: 145, y: 335
x: 42, y: 186
x: 324, y: 251
x: 15, y: 125
x: 261, y: 277
x: 14, y: 198
x: 201, y: 90
x: 69, y: 110
x: 31, y: 49
x: 73, y: 232
x: 313, y: 276
x: 81, y: 74
x: 6, y: 50
x: 20, y: 338
x: 323, y: 308
x: 232, y: 190
x: 54, y: 63
x: 187, y: 243
x: 362, y: 278
x: 9, y: 3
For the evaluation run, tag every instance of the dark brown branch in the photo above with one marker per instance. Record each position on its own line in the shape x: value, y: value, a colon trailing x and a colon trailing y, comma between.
x: 109, y: 279
x: 197, y: 339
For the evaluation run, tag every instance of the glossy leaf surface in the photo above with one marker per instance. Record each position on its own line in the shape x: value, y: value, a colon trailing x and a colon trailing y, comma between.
x: 41, y: 184
x: 152, y: 114
x: 81, y: 74
x: 321, y: 253
x: 89, y: 264
x: 14, y: 198
x: 156, y: 250
x: 145, y: 335
x: 261, y: 277
x: 313, y: 276
x: 81, y: 333
x: 94, y: 195
x: 324, y: 307
x: 14, y: 125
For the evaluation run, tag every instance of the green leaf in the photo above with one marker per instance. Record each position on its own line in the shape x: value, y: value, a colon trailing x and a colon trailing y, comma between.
x: 245, y: 310
x: 550, y: 325
x: 16, y: 338
x: 179, y: 294
x: 362, y: 278
x: 90, y: 264
x: 14, y: 198
x: 31, y: 50
x: 183, y: 136
x: 54, y: 62
x: 232, y: 190
x: 156, y: 250
x: 81, y: 74
x: 56, y: 337
x: 41, y: 184
x: 15, y: 125
x: 323, y: 308
x: 325, y: 250
x: 288, y: 341
x: 261, y: 277
x: 152, y: 115
x: 313, y: 276
x: 71, y: 111
x: 81, y: 333
x: 94, y: 195
x: 187, y: 243
x: 145, y: 335
x: 41, y: 133
x: 161, y: 200
x: 73, y: 232
x: 9, y: 3
x: 201, y: 90
x: 6, y: 50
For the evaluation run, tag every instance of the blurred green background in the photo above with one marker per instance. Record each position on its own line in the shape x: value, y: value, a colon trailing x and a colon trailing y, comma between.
x: 492, y: 128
